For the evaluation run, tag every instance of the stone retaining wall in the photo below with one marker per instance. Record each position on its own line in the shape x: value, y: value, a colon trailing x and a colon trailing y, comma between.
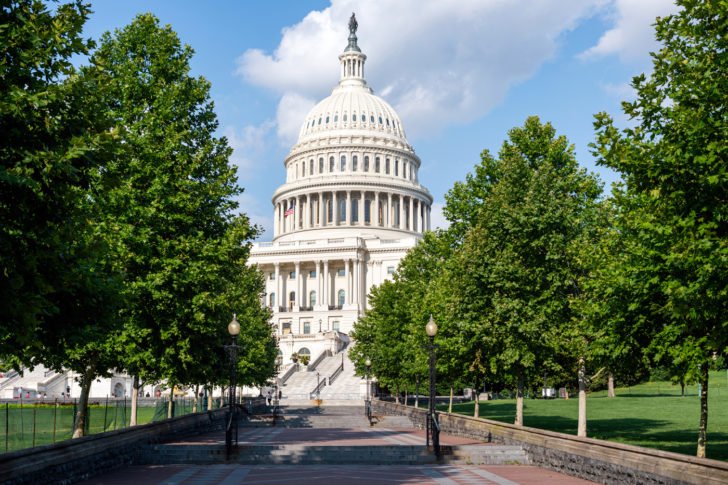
x: 591, y: 459
x: 71, y: 461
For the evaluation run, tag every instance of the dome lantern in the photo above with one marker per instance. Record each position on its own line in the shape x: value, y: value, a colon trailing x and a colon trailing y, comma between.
x: 352, y: 59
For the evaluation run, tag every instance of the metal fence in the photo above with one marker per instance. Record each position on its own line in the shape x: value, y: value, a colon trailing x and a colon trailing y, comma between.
x: 25, y: 424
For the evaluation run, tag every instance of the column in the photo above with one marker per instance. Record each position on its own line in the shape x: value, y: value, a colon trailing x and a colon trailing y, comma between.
x: 375, y: 221
x: 357, y: 276
x: 278, y: 287
x: 388, y: 222
x: 335, y: 208
x: 401, y: 212
x: 321, y: 209
x: 319, y: 291
x: 348, y: 208
x: 411, y: 214
x: 428, y: 217
x: 362, y: 201
x: 347, y: 273
x: 420, y: 216
x: 325, y: 300
x: 299, y: 287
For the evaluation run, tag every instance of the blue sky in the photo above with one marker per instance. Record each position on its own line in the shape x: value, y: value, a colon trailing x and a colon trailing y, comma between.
x: 459, y: 73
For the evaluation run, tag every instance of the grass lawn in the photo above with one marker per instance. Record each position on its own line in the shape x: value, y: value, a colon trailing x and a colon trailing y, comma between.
x: 651, y: 414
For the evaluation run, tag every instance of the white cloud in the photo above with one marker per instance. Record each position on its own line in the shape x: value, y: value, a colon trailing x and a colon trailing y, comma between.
x: 258, y: 213
x: 436, y: 62
x: 247, y: 144
x: 632, y: 37
x: 438, y: 218
x: 292, y: 109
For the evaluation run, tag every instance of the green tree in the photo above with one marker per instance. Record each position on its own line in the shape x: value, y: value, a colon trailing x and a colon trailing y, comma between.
x: 172, y: 216
x: 511, y: 282
x: 675, y: 181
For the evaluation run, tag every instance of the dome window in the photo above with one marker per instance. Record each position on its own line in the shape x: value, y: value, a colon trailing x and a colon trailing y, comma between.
x: 386, y: 166
x: 376, y: 165
x: 327, y: 120
x: 354, y: 162
x: 366, y: 163
x: 396, y: 167
x: 387, y: 122
x: 344, y: 116
x: 343, y: 162
x: 331, y: 164
x: 321, y: 165
x: 336, y: 118
x: 320, y: 121
x: 372, y: 119
x: 353, y: 117
x: 380, y: 120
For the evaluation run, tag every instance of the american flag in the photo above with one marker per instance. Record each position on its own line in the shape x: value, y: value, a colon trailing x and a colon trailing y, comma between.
x: 288, y: 212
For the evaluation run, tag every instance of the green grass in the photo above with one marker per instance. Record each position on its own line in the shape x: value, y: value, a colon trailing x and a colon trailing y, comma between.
x: 651, y: 414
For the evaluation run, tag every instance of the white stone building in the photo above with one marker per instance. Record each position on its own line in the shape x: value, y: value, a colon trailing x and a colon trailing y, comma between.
x: 350, y: 208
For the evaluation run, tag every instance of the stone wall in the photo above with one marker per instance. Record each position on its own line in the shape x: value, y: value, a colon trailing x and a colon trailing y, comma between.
x: 591, y: 459
x: 71, y: 461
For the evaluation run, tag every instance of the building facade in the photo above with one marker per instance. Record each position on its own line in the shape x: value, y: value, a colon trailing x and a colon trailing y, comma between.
x: 349, y: 210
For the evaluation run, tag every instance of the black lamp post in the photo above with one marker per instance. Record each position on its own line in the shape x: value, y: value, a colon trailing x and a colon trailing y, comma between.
x: 433, y: 427
x: 368, y: 363
x: 234, y: 330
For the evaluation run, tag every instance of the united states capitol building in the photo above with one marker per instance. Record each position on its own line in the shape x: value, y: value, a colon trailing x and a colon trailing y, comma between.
x: 349, y: 210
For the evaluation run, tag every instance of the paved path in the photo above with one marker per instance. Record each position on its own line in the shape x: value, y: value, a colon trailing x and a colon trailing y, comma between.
x: 325, y: 474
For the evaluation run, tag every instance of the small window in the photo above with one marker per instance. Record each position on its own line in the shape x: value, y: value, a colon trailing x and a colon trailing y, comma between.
x: 354, y: 163
x: 386, y: 167
x: 342, y: 297
x: 320, y: 121
x: 321, y: 165
x: 376, y: 164
x: 387, y: 121
x: 344, y: 117
x: 380, y: 120
x: 372, y: 118
x: 312, y: 298
x: 272, y: 276
x: 310, y: 167
x: 390, y: 269
x: 272, y: 299
x: 286, y: 328
x: 306, y: 327
x: 292, y: 275
x: 354, y: 210
x: 331, y: 164
x: 343, y: 163
x: 366, y: 164
x: 292, y: 299
x: 353, y: 117
x: 303, y: 169
x: 367, y: 211
x: 342, y: 272
x: 336, y: 118
x: 396, y: 167
x: 312, y: 273
x: 335, y: 325
x: 327, y: 119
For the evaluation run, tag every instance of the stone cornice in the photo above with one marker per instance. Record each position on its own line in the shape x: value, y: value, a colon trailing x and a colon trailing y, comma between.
x: 362, y: 145
x: 338, y: 185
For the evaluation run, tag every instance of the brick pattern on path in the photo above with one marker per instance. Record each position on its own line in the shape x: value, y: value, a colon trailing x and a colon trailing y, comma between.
x: 333, y: 474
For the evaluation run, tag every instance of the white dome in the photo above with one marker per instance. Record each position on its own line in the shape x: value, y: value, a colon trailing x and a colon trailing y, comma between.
x: 352, y: 107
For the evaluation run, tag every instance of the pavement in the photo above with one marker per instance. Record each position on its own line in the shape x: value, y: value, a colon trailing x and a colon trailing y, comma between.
x: 231, y: 474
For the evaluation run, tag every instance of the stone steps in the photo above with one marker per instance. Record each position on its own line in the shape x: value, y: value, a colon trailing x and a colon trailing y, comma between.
x: 298, y: 454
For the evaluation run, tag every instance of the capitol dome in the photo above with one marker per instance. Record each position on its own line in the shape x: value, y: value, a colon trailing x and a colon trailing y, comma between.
x: 351, y: 167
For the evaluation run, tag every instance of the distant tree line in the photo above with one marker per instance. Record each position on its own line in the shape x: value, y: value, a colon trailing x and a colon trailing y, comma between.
x: 121, y: 247
x: 540, y: 273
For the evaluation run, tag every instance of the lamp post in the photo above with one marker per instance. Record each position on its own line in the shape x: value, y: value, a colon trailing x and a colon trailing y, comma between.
x: 233, y: 330
x: 433, y: 427
x: 368, y: 363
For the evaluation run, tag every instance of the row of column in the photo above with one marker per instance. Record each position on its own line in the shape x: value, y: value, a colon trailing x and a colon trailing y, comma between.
x: 311, y: 211
x: 325, y: 284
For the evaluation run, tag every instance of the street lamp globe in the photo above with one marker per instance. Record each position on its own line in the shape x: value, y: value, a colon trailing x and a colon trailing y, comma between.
x: 368, y: 363
x: 431, y: 327
x: 234, y: 326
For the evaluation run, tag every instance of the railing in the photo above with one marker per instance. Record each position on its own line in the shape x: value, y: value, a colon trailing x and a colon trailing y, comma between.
x: 316, y: 390
x: 282, y: 309
x: 312, y: 366
x: 288, y: 373
x: 335, y: 307
x: 338, y: 370
x: 305, y: 309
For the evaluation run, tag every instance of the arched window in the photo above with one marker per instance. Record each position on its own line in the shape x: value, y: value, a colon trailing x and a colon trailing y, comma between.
x: 292, y: 300
x: 366, y: 164
x: 303, y: 169
x: 381, y: 214
x: 343, y: 163
x: 331, y: 164
x: 312, y: 298
x: 321, y: 165
x: 353, y: 117
x: 272, y: 299
x: 396, y: 167
x: 304, y: 356
x: 342, y: 210
x: 386, y: 166
x: 327, y: 119
x: 354, y: 163
x: 336, y: 118
x: 344, y: 116
x: 341, y: 297
x: 354, y: 211
x: 330, y: 211
x: 310, y: 167
x: 367, y: 211
x: 376, y: 164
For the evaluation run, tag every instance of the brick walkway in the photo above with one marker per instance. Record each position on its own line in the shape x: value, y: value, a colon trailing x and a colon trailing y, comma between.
x: 325, y: 474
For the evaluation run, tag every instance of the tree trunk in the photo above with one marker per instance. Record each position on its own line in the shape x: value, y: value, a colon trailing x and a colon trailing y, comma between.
x: 79, y: 424
x: 703, y: 428
x: 134, y: 401
x: 194, y: 402
x: 519, y: 400
x: 449, y: 408
x: 581, y: 429
x: 209, y: 398
x: 396, y: 396
x: 476, y: 408
x: 682, y: 386
x: 170, y: 404
x: 610, y: 385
